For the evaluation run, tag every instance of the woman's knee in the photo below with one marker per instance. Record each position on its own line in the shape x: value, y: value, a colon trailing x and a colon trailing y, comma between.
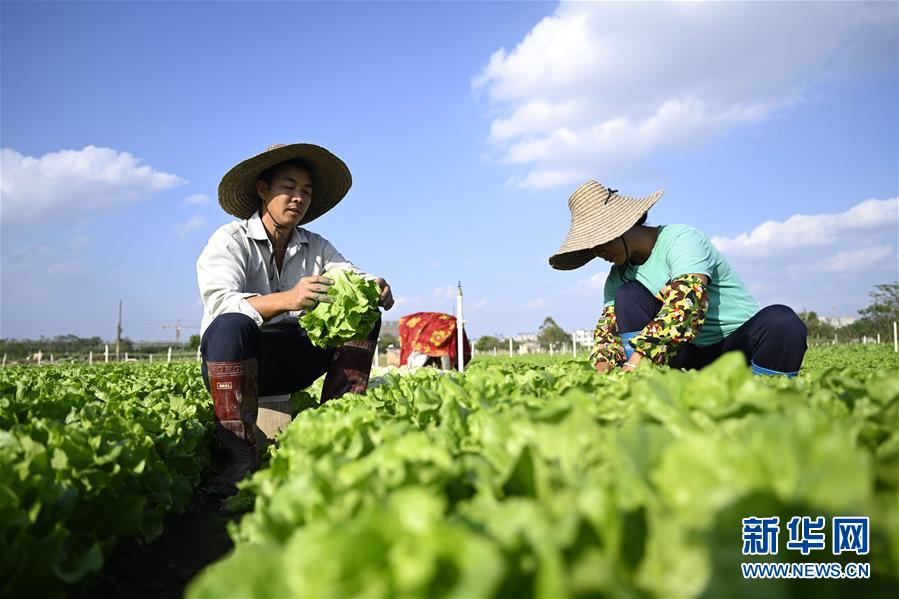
x: 784, y: 321
x: 630, y: 293
x: 635, y: 307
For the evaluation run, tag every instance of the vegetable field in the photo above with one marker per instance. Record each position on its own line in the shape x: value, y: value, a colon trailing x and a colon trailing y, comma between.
x: 522, y: 477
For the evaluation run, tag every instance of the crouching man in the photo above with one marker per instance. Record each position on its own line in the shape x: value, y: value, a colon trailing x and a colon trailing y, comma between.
x: 256, y: 275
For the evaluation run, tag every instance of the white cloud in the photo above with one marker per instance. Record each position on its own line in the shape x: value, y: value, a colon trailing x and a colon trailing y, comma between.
x: 535, y: 304
x: 773, y: 238
x: 596, y: 281
x: 190, y: 225
x: 75, y: 181
x: 823, y: 262
x: 481, y: 303
x: 444, y: 292
x: 197, y: 198
x: 597, y: 85
x: 856, y: 260
x: 79, y: 242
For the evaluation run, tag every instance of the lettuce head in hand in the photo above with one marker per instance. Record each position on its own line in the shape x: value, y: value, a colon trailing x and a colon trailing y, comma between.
x: 350, y: 316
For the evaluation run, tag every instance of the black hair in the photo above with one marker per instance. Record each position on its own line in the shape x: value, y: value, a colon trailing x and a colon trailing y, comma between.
x: 269, y: 174
x: 642, y: 219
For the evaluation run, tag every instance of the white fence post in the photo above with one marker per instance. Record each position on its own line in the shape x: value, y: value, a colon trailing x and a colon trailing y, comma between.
x: 170, y: 356
x: 895, y: 338
x: 550, y: 349
x: 40, y: 356
x: 4, y: 360
x: 151, y: 358
x: 510, y: 348
x: 90, y: 357
x: 198, y: 354
x: 106, y: 354
x: 573, y: 346
x: 494, y: 350
x: 460, y: 328
x: 126, y: 356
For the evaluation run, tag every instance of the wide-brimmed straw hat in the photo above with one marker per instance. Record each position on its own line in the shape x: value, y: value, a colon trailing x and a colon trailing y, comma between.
x: 331, y: 179
x: 598, y: 215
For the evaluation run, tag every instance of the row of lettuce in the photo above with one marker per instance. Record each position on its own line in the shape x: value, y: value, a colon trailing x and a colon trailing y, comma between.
x: 549, y: 480
x: 88, y: 455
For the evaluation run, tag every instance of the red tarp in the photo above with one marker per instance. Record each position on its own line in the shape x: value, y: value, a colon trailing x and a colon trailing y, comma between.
x: 431, y: 333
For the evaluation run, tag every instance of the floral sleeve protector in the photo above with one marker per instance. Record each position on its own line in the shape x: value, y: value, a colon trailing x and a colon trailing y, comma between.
x: 606, y: 342
x: 685, y: 302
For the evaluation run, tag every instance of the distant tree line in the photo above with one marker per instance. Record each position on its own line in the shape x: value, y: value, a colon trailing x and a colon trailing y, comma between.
x: 72, y: 346
x: 875, y: 319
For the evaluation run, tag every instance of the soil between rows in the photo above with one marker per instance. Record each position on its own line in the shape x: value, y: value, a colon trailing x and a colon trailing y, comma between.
x: 162, y: 568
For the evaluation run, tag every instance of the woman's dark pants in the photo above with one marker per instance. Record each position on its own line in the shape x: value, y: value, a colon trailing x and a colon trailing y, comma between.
x: 775, y: 338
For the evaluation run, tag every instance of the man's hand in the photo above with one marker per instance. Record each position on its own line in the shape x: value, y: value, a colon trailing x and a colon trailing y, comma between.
x: 308, y: 293
x: 386, y: 294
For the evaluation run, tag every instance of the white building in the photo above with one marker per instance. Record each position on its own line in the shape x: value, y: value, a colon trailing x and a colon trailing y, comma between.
x: 838, y: 321
x: 583, y: 337
x: 529, y: 347
x: 525, y: 338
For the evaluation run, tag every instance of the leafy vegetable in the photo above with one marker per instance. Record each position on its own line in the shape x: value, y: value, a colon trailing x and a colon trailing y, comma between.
x: 351, y: 315
x: 88, y: 454
x: 542, y: 478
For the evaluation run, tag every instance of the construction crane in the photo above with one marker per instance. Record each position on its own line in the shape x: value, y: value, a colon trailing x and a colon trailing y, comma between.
x: 178, y: 326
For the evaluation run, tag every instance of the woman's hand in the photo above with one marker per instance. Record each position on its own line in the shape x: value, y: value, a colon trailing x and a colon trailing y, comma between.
x: 602, y: 367
x: 386, y: 299
x: 631, y: 364
x: 308, y: 293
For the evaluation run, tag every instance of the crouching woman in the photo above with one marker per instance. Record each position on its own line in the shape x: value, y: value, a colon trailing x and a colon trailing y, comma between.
x: 256, y: 276
x: 670, y: 296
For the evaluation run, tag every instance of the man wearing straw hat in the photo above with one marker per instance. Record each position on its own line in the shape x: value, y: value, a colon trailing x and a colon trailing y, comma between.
x: 256, y: 276
x: 670, y: 296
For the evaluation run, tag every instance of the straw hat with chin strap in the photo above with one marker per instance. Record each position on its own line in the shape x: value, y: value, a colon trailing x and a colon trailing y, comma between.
x: 598, y: 215
x: 331, y: 179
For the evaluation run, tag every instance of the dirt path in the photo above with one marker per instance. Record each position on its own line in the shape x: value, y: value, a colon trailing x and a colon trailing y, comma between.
x: 162, y: 569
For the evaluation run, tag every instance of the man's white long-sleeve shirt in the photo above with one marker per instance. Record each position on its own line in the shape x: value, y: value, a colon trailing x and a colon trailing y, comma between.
x: 237, y: 264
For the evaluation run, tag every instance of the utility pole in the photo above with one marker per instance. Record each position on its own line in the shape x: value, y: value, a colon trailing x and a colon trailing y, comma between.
x: 118, y: 333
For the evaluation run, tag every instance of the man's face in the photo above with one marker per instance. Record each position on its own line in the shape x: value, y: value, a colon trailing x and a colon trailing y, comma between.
x: 289, y: 195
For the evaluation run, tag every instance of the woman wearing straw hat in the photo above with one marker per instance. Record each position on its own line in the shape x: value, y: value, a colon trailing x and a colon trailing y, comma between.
x: 670, y: 296
x: 256, y: 275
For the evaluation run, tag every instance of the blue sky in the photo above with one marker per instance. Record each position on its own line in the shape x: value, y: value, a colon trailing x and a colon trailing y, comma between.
x: 466, y: 126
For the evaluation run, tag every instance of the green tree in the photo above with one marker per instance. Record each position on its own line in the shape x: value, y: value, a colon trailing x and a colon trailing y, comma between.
x: 550, y: 332
x: 878, y: 317
x: 194, y: 342
x: 817, y: 328
x: 387, y: 340
x: 488, y: 342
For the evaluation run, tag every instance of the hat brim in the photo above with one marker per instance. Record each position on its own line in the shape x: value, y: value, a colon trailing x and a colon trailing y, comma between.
x: 331, y: 180
x: 607, y: 224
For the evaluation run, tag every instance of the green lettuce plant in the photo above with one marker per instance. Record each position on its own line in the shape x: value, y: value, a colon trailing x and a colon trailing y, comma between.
x: 350, y: 316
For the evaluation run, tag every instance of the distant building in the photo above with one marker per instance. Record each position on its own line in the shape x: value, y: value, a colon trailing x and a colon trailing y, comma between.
x: 525, y: 337
x: 529, y: 347
x: 838, y: 321
x: 583, y: 337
